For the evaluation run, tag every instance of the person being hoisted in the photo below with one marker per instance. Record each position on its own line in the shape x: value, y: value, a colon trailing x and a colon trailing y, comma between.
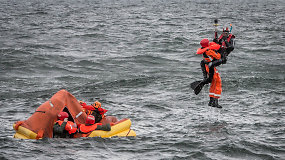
x: 210, y: 56
x: 222, y: 46
x: 226, y: 42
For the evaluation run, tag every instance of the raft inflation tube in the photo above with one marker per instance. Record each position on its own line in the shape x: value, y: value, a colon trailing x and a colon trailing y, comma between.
x: 121, y: 129
x: 24, y: 133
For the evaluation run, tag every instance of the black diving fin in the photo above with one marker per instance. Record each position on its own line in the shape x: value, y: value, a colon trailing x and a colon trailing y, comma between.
x: 197, y: 86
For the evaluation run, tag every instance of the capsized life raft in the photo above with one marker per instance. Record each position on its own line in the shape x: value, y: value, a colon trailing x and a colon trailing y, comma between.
x: 40, y: 124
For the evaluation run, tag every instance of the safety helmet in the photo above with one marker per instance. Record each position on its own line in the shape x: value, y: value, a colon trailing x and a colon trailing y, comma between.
x: 62, y: 115
x: 205, y: 43
x: 96, y: 104
x: 90, y: 119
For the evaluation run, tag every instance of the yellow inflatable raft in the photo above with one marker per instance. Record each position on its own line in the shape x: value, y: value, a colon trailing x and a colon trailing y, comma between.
x: 122, y: 129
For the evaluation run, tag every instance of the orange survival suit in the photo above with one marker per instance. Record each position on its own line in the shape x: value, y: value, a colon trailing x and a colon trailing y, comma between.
x: 210, y: 54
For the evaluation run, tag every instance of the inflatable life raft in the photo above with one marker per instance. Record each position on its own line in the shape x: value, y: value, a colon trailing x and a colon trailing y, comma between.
x: 40, y: 124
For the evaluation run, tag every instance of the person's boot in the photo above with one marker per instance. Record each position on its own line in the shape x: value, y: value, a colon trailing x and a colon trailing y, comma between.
x: 216, y: 103
x: 211, y: 101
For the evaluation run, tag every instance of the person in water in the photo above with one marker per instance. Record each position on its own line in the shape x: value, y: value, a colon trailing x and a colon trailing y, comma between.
x: 94, y: 109
x: 90, y: 126
x: 63, y: 128
x: 226, y: 42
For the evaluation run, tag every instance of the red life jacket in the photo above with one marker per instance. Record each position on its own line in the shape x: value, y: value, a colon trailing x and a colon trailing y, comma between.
x: 86, y: 129
x: 70, y: 126
x: 213, y: 46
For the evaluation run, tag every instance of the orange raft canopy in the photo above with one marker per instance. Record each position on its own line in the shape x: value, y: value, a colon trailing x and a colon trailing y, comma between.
x: 40, y: 124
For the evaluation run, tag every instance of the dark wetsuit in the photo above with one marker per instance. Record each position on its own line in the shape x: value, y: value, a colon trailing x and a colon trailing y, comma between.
x: 106, y: 127
x: 227, y: 46
x: 97, y: 115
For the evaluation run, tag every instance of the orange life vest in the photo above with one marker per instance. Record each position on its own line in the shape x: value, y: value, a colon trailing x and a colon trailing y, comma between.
x: 86, y: 129
x: 70, y: 126
x: 209, y: 53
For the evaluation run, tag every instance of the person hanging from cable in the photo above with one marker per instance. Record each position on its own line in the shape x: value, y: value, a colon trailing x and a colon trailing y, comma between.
x: 210, y: 55
x: 222, y: 46
x: 226, y: 41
